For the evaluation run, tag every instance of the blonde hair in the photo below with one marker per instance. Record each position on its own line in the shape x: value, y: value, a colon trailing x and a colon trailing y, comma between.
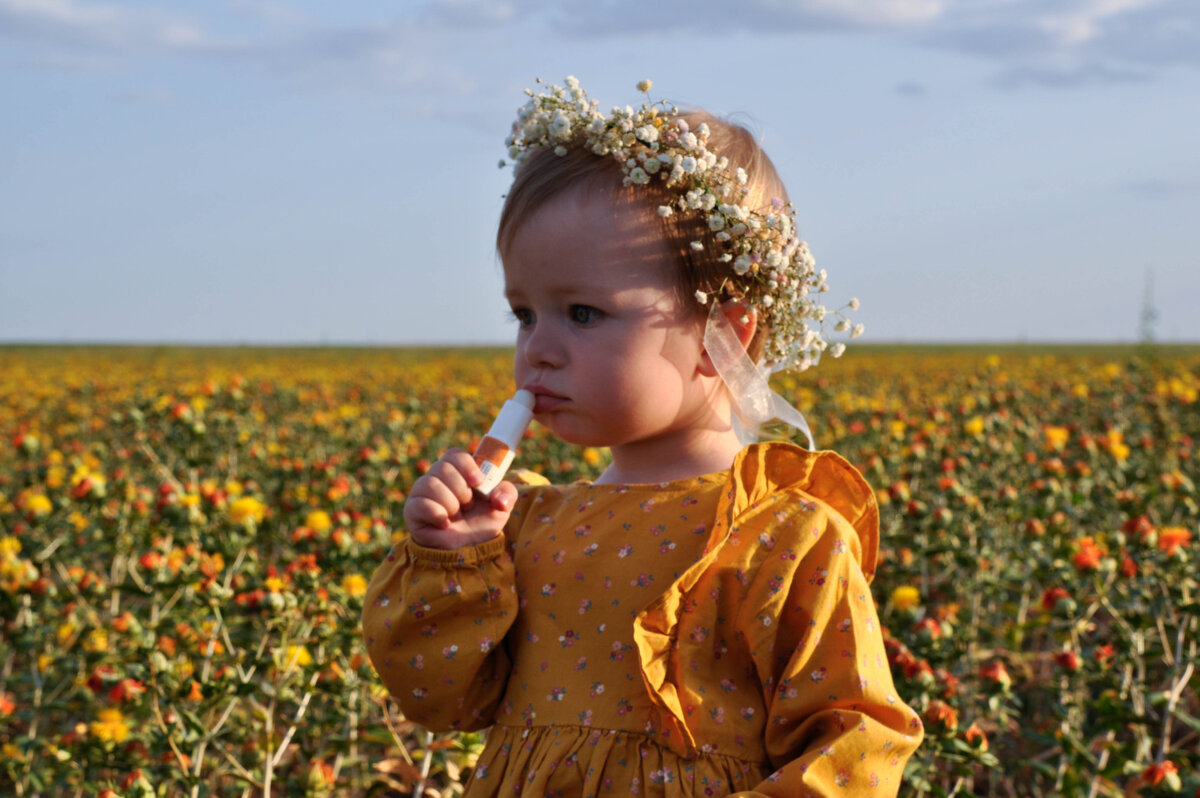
x: 545, y: 175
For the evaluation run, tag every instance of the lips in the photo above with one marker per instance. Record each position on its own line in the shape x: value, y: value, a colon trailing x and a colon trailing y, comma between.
x: 545, y: 400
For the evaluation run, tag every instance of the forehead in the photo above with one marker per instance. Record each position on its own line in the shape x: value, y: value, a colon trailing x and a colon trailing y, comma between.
x: 588, y: 237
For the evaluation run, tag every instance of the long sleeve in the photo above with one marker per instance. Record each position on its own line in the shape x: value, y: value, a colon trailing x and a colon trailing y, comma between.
x: 834, y: 724
x: 435, y: 623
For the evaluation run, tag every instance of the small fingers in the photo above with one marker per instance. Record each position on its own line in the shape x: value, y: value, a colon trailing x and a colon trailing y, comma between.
x: 504, y: 496
x: 464, y: 464
x: 422, y: 511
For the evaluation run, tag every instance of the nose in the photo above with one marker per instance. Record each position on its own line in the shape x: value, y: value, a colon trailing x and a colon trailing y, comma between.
x: 542, y: 347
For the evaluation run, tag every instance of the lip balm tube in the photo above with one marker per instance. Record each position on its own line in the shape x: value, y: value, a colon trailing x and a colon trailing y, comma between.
x: 497, y: 449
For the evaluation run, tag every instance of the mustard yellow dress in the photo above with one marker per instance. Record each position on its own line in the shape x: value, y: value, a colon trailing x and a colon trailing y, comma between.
x: 710, y: 636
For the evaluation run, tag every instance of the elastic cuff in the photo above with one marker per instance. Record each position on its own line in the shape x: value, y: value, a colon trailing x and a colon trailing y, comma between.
x: 467, y: 556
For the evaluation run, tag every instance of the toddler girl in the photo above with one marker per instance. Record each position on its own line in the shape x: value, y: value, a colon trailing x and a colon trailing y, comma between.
x: 698, y: 620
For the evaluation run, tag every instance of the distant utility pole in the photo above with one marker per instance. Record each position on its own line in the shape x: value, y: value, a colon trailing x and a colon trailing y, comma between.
x: 1149, y: 314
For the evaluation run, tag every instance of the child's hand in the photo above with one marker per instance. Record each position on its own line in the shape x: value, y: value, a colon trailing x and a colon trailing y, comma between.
x: 443, y: 510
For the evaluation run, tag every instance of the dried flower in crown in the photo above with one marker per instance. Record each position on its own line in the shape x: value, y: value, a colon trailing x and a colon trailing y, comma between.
x: 769, y: 267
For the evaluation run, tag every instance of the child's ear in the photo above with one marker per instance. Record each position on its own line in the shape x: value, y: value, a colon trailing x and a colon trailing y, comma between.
x: 742, y: 320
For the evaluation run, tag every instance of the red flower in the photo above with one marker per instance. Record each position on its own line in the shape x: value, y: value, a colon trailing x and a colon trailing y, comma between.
x: 1067, y: 660
x: 1138, y: 524
x: 1156, y: 774
x: 126, y: 690
x: 930, y: 627
x: 1052, y: 596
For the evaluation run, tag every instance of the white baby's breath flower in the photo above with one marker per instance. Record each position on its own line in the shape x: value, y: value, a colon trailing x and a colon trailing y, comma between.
x: 560, y: 126
x: 854, y: 303
x: 648, y: 133
x: 837, y: 349
x: 857, y: 330
x: 697, y: 246
x: 688, y: 164
x: 689, y: 141
x: 645, y: 85
x: 702, y: 297
x: 665, y: 210
x: 741, y: 264
x: 742, y: 177
x: 716, y: 222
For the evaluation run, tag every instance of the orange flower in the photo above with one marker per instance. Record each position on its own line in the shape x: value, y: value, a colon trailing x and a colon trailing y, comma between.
x: 1088, y: 556
x: 975, y: 737
x: 996, y: 672
x: 7, y: 707
x: 940, y: 716
x: 1170, y: 538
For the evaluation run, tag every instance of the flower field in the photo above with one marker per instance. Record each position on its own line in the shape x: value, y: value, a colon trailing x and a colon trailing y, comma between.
x: 186, y: 537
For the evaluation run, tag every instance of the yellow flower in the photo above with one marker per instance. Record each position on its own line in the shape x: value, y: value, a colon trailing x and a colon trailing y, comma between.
x: 1056, y: 437
x: 39, y: 505
x: 299, y: 655
x: 96, y: 641
x: 246, y: 509
x: 55, y: 476
x: 318, y: 521
x: 110, y: 726
x: 973, y: 426
x: 66, y: 631
x: 1117, y: 446
x: 10, y: 547
x: 274, y: 584
x: 355, y: 585
x: 906, y: 597
x: 592, y: 456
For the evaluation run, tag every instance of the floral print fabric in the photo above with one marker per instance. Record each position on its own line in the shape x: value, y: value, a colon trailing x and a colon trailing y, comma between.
x: 710, y: 636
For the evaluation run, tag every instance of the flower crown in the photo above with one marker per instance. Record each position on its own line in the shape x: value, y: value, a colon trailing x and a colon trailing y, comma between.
x: 768, y: 264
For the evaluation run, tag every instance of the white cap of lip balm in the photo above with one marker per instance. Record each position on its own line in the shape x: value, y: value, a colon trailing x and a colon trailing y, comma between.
x: 514, y: 417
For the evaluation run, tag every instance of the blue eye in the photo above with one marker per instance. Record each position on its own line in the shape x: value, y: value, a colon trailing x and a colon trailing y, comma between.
x: 524, y: 316
x: 584, y: 314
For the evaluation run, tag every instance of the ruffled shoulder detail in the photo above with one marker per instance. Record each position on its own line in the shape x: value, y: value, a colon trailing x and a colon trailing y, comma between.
x: 762, y: 472
x: 523, y: 476
x: 765, y: 469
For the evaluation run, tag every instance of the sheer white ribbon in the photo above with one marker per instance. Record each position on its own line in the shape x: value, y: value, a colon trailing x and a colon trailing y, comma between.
x: 754, y: 403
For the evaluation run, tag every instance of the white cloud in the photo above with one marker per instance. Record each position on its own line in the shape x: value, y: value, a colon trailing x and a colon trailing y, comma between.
x: 1031, y: 42
x: 68, y: 23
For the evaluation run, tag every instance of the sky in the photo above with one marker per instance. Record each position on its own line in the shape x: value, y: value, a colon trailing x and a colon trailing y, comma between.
x: 270, y: 172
